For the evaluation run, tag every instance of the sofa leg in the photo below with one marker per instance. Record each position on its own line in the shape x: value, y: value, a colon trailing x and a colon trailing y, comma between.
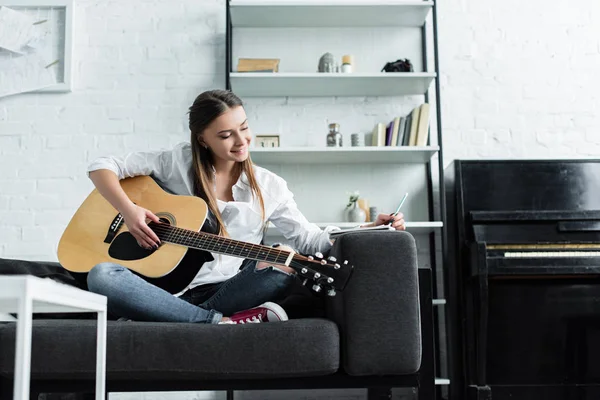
x: 379, y: 393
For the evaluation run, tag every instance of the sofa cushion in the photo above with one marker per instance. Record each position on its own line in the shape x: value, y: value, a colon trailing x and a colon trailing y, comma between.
x: 65, y: 349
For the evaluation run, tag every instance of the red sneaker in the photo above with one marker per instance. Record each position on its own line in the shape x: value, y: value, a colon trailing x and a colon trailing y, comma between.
x: 266, y: 312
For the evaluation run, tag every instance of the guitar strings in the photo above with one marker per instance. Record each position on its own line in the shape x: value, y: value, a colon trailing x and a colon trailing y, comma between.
x: 215, y: 242
x: 170, y: 232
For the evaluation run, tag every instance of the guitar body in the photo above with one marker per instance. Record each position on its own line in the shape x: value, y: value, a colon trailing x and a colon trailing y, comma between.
x: 97, y: 234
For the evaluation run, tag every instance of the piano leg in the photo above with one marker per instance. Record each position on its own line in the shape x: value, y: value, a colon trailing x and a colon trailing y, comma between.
x: 482, y: 300
x: 480, y: 309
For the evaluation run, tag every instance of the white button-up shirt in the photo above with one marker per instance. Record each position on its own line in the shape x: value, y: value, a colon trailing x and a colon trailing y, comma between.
x: 242, y: 216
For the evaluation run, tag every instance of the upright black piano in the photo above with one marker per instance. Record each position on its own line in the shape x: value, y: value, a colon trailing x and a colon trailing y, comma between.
x: 523, y: 275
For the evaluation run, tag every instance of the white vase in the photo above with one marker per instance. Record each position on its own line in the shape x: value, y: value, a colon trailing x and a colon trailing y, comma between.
x: 355, y: 214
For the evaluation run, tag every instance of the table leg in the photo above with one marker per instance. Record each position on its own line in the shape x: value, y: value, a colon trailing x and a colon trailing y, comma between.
x: 101, y: 357
x: 23, y: 349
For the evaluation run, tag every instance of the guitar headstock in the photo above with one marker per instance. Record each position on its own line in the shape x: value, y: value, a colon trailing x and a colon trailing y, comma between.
x: 327, y: 275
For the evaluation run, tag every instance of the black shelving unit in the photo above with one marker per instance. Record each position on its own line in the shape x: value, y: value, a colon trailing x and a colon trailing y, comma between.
x: 438, y: 355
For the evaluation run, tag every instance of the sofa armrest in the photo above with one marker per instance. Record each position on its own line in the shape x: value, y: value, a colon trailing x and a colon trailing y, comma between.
x: 378, y: 312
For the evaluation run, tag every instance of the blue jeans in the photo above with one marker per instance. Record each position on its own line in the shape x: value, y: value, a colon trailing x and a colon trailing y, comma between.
x: 131, y: 296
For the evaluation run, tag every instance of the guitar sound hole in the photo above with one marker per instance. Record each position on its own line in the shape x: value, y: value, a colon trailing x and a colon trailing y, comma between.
x: 125, y: 247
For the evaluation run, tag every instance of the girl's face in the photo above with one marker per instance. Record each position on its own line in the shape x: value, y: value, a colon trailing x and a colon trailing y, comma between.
x: 228, y: 136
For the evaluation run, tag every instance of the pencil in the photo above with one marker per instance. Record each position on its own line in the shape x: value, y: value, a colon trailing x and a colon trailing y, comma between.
x: 400, y: 205
x: 391, y: 221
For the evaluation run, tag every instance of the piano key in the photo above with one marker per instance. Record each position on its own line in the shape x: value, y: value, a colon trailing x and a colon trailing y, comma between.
x: 550, y: 254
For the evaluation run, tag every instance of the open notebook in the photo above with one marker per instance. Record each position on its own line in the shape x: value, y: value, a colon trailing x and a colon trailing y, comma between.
x: 338, y: 233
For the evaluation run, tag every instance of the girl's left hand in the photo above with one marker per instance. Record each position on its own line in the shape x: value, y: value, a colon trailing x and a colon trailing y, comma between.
x: 398, y: 221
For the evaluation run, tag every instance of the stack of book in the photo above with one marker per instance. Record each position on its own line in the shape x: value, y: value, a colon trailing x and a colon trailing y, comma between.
x: 408, y: 130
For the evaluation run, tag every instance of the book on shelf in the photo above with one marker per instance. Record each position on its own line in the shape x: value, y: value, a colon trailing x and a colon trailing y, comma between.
x: 414, y: 123
x: 401, y: 128
x: 378, y: 138
x: 388, y: 134
x: 423, y: 127
x: 395, y: 128
x: 406, y: 138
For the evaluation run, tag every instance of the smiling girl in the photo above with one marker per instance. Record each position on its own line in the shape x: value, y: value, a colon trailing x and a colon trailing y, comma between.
x: 241, y: 197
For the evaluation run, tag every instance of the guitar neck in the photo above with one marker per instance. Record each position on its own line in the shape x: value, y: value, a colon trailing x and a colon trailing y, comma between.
x: 218, y: 244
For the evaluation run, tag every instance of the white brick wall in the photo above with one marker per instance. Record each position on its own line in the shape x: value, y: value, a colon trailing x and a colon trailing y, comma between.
x: 519, y: 79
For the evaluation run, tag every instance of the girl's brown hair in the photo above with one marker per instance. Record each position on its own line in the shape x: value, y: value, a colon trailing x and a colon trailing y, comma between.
x: 206, y: 108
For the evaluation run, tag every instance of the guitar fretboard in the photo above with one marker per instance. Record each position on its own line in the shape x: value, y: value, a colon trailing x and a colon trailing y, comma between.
x: 218, y: 244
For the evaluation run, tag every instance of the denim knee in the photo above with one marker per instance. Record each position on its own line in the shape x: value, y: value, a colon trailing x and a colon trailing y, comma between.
x: 102, y: 275
x: 276, y: 278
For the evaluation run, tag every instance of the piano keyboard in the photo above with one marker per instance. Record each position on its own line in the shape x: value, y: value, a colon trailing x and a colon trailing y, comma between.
x: 550, y: 254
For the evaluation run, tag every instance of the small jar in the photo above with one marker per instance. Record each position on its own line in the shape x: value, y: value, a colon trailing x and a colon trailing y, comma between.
x: 373, y: 214
x: 347, y: 63
x: 334, y: 137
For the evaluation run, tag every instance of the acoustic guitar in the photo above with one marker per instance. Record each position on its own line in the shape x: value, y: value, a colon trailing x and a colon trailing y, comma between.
x: 97, y: 233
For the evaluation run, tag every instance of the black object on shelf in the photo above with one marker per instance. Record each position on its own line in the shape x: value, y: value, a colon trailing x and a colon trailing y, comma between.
x: 398, y: 66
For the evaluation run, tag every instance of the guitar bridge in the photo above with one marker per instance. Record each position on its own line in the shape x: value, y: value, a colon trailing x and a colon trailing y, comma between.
x: 114, y: 228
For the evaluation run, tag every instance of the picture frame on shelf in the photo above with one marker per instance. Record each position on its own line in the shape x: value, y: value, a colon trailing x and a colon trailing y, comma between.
x: 266, y: 140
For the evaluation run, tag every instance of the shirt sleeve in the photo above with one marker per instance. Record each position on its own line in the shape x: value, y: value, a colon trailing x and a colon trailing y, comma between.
x: 306, y: 237
x: 158, y: 164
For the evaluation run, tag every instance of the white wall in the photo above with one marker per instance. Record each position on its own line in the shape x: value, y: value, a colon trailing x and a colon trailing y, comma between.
x: 520, y: 79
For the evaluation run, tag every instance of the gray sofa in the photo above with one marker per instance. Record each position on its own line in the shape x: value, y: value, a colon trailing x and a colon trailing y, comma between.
x: 377, y: 334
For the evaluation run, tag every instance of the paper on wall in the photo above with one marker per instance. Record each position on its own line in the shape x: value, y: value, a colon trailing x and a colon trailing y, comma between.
x: 16, y: 30
x: 39, y: 38
x: 25, y: 74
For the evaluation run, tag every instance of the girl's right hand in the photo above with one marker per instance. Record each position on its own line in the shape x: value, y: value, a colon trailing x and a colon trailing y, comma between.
x: 135, y: 219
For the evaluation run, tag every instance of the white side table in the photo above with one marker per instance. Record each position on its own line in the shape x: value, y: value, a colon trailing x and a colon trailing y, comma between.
x: 24, y: 295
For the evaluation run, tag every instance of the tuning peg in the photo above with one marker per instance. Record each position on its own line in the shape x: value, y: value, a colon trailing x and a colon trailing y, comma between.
x: 345, y: 262
x: 329, y: 280
x: 316, y: 288
x: 310, y: 258
x: 336, y: 266
x: 317, y: 275
x: 323, y: 262
x: 318, y: 254
x: 331, y: 292
x: 332, y: 259
x: 304, y: 282
x: 303, y: 271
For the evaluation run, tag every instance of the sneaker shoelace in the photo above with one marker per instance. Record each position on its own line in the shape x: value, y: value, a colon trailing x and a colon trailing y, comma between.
x: 253, y: 320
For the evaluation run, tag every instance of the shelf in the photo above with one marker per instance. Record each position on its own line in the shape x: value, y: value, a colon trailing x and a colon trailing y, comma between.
x: 327, y: 13
x: 412, y: 227
x: 417, y: 228
x: 317, y: 84
x: 342, y: 155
